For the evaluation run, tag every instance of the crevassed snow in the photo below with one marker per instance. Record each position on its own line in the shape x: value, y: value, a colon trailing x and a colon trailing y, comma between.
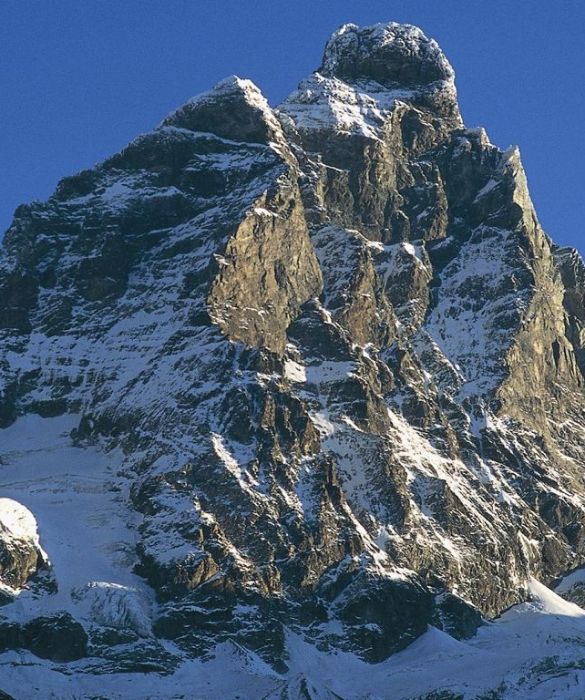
x: 114, y: 605
x: 79, y: 504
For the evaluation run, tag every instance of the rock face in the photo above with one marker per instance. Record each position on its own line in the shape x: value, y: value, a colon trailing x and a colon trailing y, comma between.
x: 342, y: 361
x: 56, y: 637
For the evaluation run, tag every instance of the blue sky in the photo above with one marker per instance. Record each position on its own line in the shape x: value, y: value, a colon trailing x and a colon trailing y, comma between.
x: 79, y: 79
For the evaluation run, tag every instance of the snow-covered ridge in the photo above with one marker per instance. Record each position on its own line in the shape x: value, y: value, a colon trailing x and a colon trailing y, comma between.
x: 235, y: 109
x: 324, y: 103
x: 368, y: 72
x: 231, y: 86
x: 332, y: 98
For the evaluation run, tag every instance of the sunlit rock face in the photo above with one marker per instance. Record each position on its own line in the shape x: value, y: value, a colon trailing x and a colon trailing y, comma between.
x: 336, y: 359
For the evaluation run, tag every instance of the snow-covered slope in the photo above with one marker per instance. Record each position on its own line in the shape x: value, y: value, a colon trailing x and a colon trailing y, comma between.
x: 535, y: 650
x: 79, y: 497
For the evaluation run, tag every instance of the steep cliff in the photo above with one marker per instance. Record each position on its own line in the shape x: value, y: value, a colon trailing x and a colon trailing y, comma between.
x: 318, y: 369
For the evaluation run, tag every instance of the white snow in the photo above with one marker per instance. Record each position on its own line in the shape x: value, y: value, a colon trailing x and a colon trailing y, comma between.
x: 114, y: 605
x: 379, y: 36
x: 488, y: 187
x: 321, y: 421
x: 17, y: 522
x: 577, y: 576
x: 324, y: 103
x: 294, y: 372
x: 79, y: 503
x: 470, y: 324
x: 88, y: 533
x: 261, y: 211
x: 535, y: 650
x: 232, y: 464
x: 550, y: 602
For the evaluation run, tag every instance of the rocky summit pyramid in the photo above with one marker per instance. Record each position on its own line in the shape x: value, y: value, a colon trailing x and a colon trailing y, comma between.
x: 292, y: 405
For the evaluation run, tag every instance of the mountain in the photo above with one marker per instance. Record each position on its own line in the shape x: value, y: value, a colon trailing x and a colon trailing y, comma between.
x: 292, y: 405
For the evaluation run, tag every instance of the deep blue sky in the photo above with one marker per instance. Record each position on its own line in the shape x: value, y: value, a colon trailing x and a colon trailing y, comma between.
x: 80, y: 78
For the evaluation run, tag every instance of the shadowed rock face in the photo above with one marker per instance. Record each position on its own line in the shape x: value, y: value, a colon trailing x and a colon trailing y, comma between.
x: 342, y: 360
x: 55, y: 637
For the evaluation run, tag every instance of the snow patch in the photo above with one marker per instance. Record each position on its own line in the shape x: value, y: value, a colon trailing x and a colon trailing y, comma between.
x: 17, y: 522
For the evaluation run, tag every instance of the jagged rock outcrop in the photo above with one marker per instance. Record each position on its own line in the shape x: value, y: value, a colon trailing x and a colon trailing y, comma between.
x: 341, y: 361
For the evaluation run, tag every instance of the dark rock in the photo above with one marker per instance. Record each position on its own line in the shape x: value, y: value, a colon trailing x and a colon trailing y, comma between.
x: 383, y: 616
x: 11, y: 636
x: 455, y: 616
x: 56, y: 637
x: 232, y: 110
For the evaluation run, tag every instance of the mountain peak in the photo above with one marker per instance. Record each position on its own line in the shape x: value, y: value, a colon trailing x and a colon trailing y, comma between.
x: 234, y: 109
x: 365, y: 75
x: 389, y: 53
x: 295, y: 388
